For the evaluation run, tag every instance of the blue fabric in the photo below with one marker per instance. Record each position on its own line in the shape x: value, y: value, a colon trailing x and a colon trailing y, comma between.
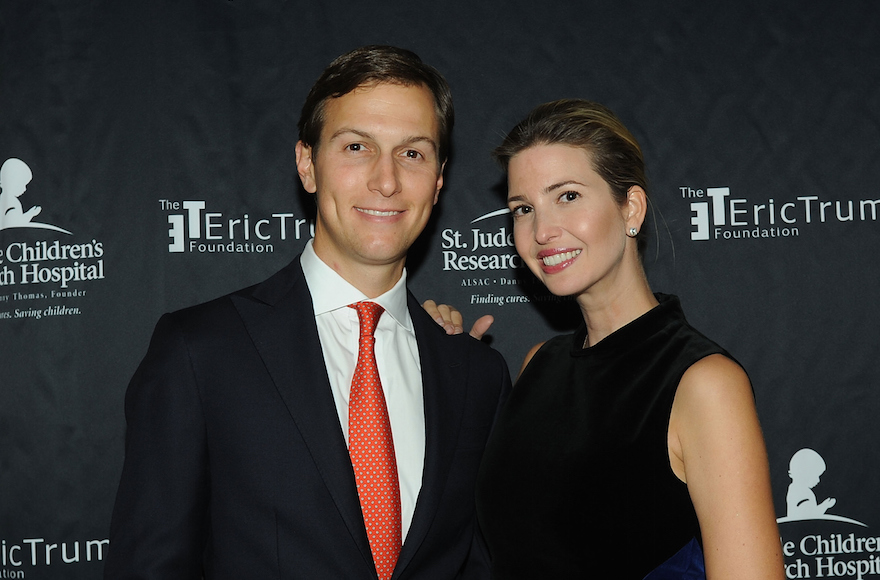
x: 686, y: 564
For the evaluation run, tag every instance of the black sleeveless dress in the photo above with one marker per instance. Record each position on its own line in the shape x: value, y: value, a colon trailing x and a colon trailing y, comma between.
x: 575, y: 481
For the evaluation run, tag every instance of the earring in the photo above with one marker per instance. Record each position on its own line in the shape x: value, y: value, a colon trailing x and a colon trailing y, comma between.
x: 633, y: 232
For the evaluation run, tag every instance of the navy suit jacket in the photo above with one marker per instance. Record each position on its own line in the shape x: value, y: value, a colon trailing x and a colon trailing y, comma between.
x: 236, y: 466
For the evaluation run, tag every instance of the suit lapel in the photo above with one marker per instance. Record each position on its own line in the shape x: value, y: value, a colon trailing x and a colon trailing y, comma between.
x: 444, y: 387
x: 279, y: 317
x: 281, y: 322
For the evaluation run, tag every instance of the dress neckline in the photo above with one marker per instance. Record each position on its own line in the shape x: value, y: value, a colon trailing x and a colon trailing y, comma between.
x: 632, y: 333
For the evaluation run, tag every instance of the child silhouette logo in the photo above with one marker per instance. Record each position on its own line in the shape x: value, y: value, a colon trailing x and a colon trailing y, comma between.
x: 805, y: 469
x: 15, y: 175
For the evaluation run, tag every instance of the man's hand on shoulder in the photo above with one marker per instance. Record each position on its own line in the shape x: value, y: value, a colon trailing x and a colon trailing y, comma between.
x: 451, y: 320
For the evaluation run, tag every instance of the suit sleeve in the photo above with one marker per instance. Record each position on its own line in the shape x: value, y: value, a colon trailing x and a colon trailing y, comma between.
x: 159, y: 524
x: 478, y: 565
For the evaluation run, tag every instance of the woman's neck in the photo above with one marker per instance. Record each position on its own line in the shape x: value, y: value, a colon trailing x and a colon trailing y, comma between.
x: 605, y: 311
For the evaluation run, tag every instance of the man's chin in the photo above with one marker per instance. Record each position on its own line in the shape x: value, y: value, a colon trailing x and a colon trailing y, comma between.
x: 383, y: 257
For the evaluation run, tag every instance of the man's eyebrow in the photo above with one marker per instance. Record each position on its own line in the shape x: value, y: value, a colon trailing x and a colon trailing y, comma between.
x: 345, y: 130
x: 421, y: 139
x: 366, y: 135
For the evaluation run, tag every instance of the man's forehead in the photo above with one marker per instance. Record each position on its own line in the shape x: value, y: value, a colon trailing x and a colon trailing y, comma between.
x: 410, y: 106
x: 415, y: 94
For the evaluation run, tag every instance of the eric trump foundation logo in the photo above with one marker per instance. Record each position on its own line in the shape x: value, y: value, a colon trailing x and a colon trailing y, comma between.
x: 195, y: 228
x: 719, y: 214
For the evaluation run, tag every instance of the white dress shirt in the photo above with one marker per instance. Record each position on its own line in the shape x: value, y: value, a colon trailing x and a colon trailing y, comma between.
x: 397, y: 358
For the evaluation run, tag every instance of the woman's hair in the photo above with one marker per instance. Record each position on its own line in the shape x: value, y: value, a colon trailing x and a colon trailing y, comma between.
x: 616, y: 154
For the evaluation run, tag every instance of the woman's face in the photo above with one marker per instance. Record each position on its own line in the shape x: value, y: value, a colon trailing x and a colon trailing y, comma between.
x: 568, y: 227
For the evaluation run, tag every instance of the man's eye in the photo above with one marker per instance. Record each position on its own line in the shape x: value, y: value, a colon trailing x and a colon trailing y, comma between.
x: 355, y: 147
x: 413, y: 154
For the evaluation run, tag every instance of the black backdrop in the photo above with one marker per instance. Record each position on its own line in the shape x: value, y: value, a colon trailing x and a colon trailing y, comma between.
x: 160, y: 138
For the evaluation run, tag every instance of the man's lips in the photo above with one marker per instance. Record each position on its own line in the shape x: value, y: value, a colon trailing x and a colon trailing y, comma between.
x: 378, y: 213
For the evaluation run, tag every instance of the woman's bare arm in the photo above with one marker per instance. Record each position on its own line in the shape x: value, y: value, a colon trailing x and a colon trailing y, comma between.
x: 717, y: 448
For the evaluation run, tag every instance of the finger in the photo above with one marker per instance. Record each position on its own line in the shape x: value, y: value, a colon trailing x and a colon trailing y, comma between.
x: 481, y: 326
x: 457, y: 320
x: 431, y: 308
x: 440, y: 314
x: 451, y: 319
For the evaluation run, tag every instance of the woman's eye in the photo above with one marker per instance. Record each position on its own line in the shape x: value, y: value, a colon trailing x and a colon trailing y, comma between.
x: 354, y: 147
x: 520, y: 210
x: 569, y: 196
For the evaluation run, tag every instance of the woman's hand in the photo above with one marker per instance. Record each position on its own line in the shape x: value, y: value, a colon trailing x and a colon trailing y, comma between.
x: 450, y: 319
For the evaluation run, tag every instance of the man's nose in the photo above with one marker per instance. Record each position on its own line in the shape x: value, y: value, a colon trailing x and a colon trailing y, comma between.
x: 385, y: 178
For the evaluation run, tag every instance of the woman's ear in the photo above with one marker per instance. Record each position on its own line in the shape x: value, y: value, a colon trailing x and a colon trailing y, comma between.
x: 636, y: 207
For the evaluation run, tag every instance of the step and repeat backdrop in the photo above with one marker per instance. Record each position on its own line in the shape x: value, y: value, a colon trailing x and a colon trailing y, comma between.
x: 147, y: 164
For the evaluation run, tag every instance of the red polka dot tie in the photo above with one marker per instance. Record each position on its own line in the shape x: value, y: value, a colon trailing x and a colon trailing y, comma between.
x: 372, y: 449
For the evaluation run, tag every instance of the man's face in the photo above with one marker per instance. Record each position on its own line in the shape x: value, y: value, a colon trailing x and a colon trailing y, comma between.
x: 376, y: 174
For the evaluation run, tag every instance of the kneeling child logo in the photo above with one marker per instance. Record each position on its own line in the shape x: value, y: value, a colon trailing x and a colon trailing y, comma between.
x: 816, y: 542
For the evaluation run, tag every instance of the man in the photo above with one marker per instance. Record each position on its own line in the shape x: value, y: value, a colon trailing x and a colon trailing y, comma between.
x: 248, y: 448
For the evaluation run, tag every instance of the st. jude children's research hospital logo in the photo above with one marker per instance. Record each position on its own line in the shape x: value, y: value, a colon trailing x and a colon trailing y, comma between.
x: 717, y: 215
x: 816, y: 542
x: 37, y: 275
x: 478, y: 250
x: 484, y: 256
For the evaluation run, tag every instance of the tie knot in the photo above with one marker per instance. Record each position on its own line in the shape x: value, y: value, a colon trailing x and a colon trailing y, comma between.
x: 368, y: 315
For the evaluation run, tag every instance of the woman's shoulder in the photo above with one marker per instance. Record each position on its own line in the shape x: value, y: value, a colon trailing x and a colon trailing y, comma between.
x: 561, y: 342
x: 713, y: 379
x: 531, y: 354
x: 713, y: 393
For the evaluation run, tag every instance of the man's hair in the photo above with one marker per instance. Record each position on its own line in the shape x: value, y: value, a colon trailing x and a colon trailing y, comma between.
x: 370, y: 65
x: 615, y: 153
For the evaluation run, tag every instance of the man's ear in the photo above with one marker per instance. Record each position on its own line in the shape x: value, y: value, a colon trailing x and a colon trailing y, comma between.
x: 305, y: 167
x: 439, y: 183
x: 636, y: 207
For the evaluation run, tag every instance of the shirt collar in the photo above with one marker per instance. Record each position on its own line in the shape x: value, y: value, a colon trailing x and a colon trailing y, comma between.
x: 330, y: 291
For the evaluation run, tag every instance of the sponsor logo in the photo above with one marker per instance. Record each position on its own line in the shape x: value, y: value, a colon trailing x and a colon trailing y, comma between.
x: 480, y: 249
x: 18, y: 557
x: 486, y: 257
x: 39, y: 278
x: 717, y: 215
x: 15, y: 175
x: 816, y: 542
x: 805, y: 469
x: 193, y: 228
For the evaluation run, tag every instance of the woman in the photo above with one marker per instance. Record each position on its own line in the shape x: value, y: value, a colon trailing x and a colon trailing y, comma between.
x: 630, y: 449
